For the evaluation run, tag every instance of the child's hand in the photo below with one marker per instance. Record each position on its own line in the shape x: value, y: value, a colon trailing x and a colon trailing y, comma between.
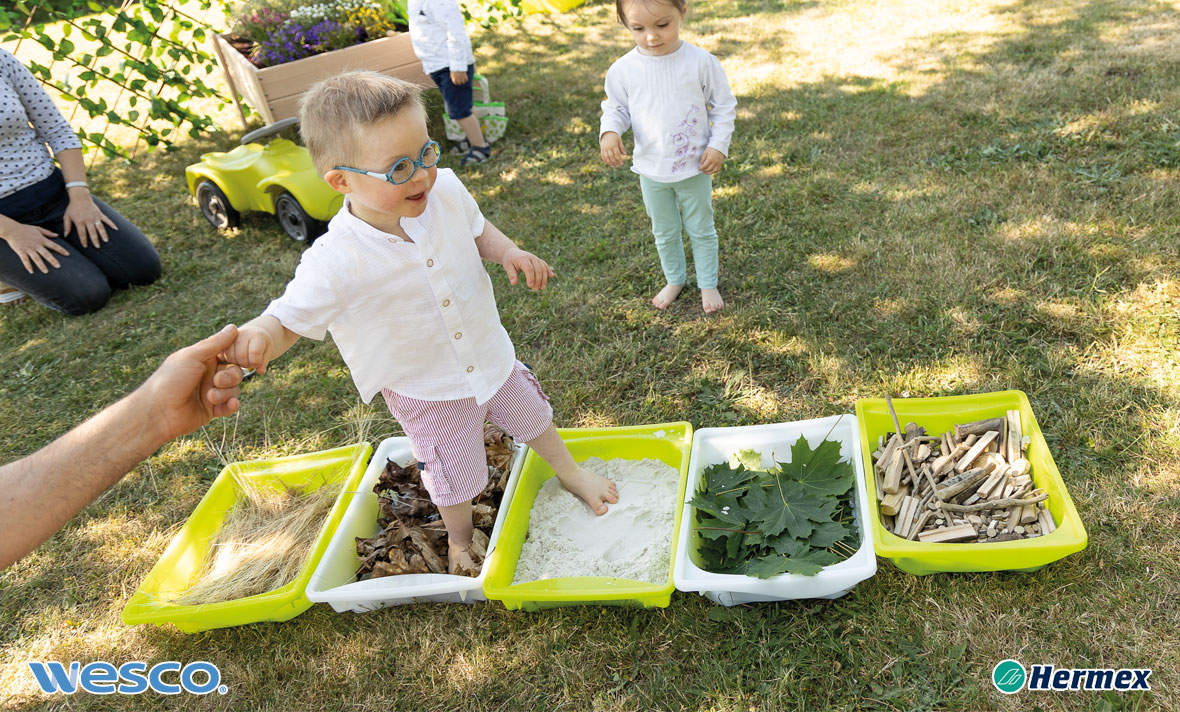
x: 711, y: 161
x: 253, y: 348
x: 458, y: 78
x: 536, y: 271
x: 611, y: 147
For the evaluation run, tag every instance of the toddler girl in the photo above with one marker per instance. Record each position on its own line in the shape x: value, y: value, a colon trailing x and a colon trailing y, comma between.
x: 676, y: 99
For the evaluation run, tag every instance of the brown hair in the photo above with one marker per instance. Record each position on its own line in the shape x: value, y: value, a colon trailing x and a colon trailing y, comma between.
x: 335, y: 112
x: 678, y: 4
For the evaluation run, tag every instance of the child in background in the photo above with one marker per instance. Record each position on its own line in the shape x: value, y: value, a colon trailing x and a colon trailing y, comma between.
x: 400, y: 283
x: 676, y: 99
x: 439, y: 38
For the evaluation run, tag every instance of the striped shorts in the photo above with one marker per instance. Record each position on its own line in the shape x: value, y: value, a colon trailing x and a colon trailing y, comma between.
x: 447, y: 436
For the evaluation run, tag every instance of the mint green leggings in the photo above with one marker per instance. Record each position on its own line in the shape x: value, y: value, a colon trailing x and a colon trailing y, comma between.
x: 690, y: 202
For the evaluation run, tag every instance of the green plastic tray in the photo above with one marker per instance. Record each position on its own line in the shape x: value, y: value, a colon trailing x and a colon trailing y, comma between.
x: 668, y: 442
x: 938, y: 415
x: 181, y: 561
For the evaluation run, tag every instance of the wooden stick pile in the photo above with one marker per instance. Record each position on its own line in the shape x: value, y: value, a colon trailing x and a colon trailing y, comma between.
x: 971, y: 484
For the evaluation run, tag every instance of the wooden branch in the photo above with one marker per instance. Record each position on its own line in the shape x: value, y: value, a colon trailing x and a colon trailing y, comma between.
x: 979, y: 427
x: 994, y: 504
x: 962, y: 532
x: 976, y: 450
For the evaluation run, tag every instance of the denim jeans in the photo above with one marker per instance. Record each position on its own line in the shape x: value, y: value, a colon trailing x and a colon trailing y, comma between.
x: 87, y: 275
x: 688, y: 204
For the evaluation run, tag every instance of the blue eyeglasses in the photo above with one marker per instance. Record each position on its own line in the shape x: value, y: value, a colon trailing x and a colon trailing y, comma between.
x: 404, y: 168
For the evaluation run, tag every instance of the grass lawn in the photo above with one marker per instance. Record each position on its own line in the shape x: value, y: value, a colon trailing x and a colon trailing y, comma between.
x: 926, y: 198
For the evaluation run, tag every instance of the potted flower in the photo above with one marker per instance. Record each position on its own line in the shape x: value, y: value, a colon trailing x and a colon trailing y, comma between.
x: 278, y: 48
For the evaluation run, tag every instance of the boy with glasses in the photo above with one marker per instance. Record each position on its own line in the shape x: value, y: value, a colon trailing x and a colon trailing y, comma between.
x: 403, y: 260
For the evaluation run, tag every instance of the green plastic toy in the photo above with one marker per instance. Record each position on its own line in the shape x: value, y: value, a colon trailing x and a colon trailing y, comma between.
x: 276, y: 177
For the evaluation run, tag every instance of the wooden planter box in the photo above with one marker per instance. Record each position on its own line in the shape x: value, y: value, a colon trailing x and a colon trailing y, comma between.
x: 274, y: 91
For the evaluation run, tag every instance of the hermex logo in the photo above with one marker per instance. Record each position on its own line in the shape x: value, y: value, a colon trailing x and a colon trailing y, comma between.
x: 1008, y: 676
x: 130, y: 678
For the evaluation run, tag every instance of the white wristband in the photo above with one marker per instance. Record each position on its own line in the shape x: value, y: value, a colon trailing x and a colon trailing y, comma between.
x: 76, y: 184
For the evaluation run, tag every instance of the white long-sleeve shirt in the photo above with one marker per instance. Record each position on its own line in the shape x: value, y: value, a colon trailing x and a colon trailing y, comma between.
x: 29, y: 120
x: 677, y: 105
x: 439, y: 36
x: 418, y: 318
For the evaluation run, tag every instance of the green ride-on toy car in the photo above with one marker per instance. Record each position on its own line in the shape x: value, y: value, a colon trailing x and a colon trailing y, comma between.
x: 277, y: 178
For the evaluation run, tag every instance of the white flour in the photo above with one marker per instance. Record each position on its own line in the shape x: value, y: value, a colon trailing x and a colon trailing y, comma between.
x: 633, y: 540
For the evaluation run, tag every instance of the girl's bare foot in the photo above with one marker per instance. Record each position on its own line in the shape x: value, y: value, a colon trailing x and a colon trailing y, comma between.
x: 711, y: 301
x: 667, y: 295
x: 593, y: 489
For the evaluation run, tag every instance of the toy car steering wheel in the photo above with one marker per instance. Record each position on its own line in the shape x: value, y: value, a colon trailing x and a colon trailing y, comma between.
x: 269, y: 130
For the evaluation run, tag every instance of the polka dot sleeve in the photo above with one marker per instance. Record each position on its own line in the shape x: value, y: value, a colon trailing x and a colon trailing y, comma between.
x: 28, y: 121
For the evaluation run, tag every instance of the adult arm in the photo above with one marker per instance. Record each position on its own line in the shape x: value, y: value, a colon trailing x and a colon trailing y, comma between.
x: 40, y: 493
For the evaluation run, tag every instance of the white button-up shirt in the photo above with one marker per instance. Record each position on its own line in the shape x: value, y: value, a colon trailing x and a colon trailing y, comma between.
x: 439, y: 35
x: 418, y: 318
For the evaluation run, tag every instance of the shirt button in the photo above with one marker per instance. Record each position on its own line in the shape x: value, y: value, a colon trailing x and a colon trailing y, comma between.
x: 429, y: 263
x: 446, y: 302
x: 392, y: 240
x: 470, y: 369
x: 458, y: 334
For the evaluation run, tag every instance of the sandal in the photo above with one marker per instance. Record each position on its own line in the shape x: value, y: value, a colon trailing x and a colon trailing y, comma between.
x: 460, y: 148
x: 476, y: 154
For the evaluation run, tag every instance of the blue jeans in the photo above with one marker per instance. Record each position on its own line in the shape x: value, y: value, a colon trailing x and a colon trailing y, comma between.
x: 87, y: 275
x: 688, y: 204
x: 457, y: 98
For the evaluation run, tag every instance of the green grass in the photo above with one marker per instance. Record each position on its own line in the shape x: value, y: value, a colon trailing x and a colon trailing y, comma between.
x: 922, y: 198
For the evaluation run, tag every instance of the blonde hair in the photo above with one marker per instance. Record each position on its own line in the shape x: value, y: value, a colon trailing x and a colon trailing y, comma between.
x: 335, y: 112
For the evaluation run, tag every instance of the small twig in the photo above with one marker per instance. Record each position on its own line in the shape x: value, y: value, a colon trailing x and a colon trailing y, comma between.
x: 893, y: 414
x: 995, y: 504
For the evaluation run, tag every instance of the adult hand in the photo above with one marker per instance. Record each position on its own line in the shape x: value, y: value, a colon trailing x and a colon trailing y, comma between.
x: 536, y: 271
x: 35, y: 247
x: 458, y: 78
x: 611, y: 146
x: 711, y: 161
x: 85, y: 217
x: 192, y: 387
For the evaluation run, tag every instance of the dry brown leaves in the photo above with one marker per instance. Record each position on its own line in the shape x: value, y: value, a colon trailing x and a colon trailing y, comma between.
x: 412, y: 538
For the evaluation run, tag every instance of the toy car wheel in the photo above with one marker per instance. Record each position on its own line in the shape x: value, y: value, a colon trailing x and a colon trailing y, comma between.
x: 300, y: 226
x: 216, y: 207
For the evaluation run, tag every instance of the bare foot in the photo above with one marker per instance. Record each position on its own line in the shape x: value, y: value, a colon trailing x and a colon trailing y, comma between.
x: 667, y: 295
x: 711, y: 301
x: 594, y: 489
x: 467, y: 560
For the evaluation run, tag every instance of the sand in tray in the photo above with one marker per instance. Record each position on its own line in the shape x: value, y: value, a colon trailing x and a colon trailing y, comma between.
x: 633, y: 540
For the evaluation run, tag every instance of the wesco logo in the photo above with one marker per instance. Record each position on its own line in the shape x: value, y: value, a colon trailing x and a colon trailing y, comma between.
x: 131, y: 678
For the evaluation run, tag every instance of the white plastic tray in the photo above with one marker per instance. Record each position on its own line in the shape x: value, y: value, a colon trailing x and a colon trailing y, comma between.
x: 711, y: 446
x: 334, y: 581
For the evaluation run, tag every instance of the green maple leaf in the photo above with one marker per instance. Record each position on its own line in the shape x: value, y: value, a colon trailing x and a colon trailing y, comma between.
x: 820, y: 470
x: 750, y: 459
x: 788, y: 545
x: 724, y: 507
x: 723, y: 478
x: 765, y: 567
x: 763, y: 524
x: 827, y: 533
x: 788, y: 506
